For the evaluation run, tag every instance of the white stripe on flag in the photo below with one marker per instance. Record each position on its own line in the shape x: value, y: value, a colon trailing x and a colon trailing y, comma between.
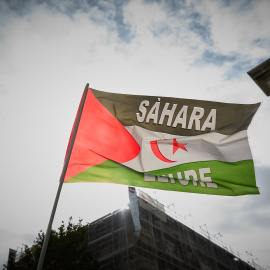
x: 206, y: 147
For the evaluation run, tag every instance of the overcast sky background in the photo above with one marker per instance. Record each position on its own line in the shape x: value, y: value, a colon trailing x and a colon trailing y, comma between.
x: 50, y: 49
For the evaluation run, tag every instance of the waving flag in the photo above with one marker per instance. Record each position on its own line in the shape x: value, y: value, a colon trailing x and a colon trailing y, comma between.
x: 164, y: 143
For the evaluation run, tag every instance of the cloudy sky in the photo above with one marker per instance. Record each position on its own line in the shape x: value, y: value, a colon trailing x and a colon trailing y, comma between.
x: 181, y: 48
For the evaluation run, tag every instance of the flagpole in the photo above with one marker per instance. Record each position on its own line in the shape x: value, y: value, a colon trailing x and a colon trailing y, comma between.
x: 61, y: 181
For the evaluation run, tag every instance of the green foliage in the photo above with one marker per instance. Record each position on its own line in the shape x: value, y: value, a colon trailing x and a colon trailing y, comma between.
x: 68, y: 248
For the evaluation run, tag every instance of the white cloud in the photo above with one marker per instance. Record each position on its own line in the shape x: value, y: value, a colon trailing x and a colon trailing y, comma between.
x: 234, y: 29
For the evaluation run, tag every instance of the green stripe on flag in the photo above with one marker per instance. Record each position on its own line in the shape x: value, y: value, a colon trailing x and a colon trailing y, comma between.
x: 240, y: 177
x: 232, y: 178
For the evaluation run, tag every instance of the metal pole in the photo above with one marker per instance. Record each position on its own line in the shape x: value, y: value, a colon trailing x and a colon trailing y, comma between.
x: 61, y: 181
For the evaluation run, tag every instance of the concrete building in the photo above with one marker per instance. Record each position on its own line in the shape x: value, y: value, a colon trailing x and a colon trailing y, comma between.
x: 261, y: 76
x: 163, y: 243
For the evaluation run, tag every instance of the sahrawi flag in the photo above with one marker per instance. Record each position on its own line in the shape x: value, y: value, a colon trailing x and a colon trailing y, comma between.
x: 164, y: 143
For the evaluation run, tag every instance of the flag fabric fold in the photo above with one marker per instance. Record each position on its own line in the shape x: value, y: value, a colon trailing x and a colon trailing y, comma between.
x: 164, y: 143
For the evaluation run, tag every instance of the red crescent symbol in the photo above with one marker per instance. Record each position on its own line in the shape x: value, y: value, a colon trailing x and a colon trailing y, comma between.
x: 157, y: 152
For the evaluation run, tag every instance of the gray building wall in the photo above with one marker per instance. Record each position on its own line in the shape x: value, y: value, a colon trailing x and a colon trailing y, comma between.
x: 162, y: 245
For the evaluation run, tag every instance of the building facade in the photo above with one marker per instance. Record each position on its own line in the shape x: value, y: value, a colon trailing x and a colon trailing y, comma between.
x: 261, y: 76
x: 163, y: 243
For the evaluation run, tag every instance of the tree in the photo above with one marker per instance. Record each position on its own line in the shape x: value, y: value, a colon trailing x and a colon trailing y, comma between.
x: 68, y: 248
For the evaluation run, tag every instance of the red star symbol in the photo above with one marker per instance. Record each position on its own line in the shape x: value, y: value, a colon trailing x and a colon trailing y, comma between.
x: 177, y: 145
